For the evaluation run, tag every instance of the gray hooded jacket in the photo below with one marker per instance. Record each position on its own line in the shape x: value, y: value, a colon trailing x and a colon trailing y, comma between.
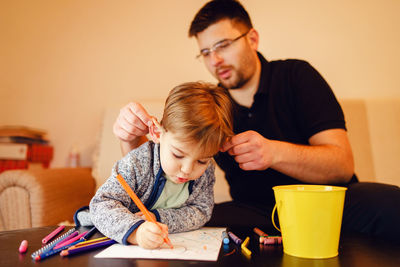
x: 112, y: 210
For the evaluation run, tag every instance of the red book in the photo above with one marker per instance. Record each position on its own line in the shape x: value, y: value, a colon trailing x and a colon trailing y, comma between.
x: 40, y: 153
x: 13, y: 165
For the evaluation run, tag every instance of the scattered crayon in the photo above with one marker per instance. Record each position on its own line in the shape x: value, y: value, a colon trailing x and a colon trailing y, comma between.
x: 235, y: 239
x: 261, y: 234
x: 273, y: 240
x: 23, y: 247
x: 245, y: 250
x: 225, y: 238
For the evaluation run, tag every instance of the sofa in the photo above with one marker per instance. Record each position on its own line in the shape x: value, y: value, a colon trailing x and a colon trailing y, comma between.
x: 34, y: 198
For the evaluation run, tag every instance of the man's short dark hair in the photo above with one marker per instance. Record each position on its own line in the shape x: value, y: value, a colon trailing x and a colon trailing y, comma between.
x: 217, y: 10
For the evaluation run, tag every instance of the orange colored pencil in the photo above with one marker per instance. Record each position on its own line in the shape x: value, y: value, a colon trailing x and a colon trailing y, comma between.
x: 89, y: 242
x: 140, y: 205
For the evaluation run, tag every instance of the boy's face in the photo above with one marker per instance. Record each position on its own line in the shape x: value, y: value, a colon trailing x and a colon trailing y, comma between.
x: 181, y: 160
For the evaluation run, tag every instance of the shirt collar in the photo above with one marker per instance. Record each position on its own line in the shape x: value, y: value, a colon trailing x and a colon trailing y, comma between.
x: 262, y: 88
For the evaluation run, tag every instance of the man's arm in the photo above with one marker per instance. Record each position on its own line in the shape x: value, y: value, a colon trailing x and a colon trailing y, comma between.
x: 128, y: 146
x: 131, y: 126
x: 327, y: 160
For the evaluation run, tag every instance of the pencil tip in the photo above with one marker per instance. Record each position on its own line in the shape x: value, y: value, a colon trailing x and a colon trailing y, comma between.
x: 64, y: 253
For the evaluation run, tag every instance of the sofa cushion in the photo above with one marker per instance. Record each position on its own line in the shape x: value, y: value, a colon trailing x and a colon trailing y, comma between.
x: 384, y: 126
x: 355, y: 111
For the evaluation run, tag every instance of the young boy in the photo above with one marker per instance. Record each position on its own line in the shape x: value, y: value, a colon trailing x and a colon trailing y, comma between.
x: 173, y: 174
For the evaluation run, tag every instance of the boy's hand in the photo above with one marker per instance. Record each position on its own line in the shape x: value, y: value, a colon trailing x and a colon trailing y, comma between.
x: 140, y: 214
x: 150, y: 236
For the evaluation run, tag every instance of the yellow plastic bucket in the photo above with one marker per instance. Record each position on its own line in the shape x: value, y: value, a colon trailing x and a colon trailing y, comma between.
x: 310, y: 218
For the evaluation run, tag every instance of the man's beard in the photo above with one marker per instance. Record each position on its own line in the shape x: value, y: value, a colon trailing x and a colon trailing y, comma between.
x: 237, y: 83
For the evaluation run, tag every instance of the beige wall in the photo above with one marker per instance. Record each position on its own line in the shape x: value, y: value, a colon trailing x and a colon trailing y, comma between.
x: 62, y: 62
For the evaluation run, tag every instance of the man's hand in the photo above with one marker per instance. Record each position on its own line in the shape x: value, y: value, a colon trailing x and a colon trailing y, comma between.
x: 131, y: 126
x: 132, y: 122
x: 327, y: 159
x: 251, y: 150
x: 149, y: 235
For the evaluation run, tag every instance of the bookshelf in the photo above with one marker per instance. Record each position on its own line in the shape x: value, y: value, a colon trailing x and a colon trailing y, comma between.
x: 24, y: 147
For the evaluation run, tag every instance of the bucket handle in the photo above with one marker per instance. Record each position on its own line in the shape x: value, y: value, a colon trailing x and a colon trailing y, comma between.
x: 273, y: 218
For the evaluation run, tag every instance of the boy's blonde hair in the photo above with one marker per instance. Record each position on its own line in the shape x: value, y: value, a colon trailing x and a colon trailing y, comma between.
x: 199, y: 112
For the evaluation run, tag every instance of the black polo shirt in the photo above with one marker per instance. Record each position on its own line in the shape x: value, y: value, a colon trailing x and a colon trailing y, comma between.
x: 293, y: 102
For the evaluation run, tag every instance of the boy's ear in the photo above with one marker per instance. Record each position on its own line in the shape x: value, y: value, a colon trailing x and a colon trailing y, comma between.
x: 155, y: 130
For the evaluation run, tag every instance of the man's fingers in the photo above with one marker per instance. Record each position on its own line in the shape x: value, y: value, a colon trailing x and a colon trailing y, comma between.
x: 232, y: 142
x: 236, y: 140
x: 130, y: 120
x: 226, y: 146
x: 240, y: 149
x: 248, y: 166
x: 125, y: 131
x: 140, y: 112
x: 121, y: 133
x: 243, y: 158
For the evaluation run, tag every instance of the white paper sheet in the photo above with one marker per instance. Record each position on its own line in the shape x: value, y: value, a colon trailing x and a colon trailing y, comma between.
x: 203, y: 244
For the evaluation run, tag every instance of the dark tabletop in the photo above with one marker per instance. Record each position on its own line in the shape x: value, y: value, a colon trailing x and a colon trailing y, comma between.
x: 353, y: 251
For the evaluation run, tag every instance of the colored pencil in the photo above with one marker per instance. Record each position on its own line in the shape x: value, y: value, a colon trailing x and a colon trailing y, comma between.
x: 86, y: 248
x: 90, y: 233
x: 69, y: 237
x: 69, y: 241
x: 52, y: 252
x: 52, y: 244
x: 85, y: 243
x: 77, y: 243
x: 140, y: 205
x: 46, y: 239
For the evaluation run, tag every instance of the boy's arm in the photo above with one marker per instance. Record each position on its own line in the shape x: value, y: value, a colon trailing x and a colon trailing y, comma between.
x: 197, y: 210
x: 109, y: 209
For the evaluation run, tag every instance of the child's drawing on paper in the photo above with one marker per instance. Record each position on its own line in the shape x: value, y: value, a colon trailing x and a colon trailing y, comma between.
x: 202, y: 244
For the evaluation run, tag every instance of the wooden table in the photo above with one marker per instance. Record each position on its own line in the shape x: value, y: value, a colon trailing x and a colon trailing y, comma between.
x: 353, y: 251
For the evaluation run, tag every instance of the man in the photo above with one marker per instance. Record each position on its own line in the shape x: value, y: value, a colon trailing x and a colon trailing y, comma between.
x: 289, y: 129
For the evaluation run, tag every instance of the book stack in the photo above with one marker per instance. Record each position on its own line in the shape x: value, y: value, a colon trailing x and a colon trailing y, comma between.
x: 24, y: 148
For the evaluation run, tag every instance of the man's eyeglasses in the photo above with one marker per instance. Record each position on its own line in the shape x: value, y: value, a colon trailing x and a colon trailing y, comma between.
x: 219, y: 47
